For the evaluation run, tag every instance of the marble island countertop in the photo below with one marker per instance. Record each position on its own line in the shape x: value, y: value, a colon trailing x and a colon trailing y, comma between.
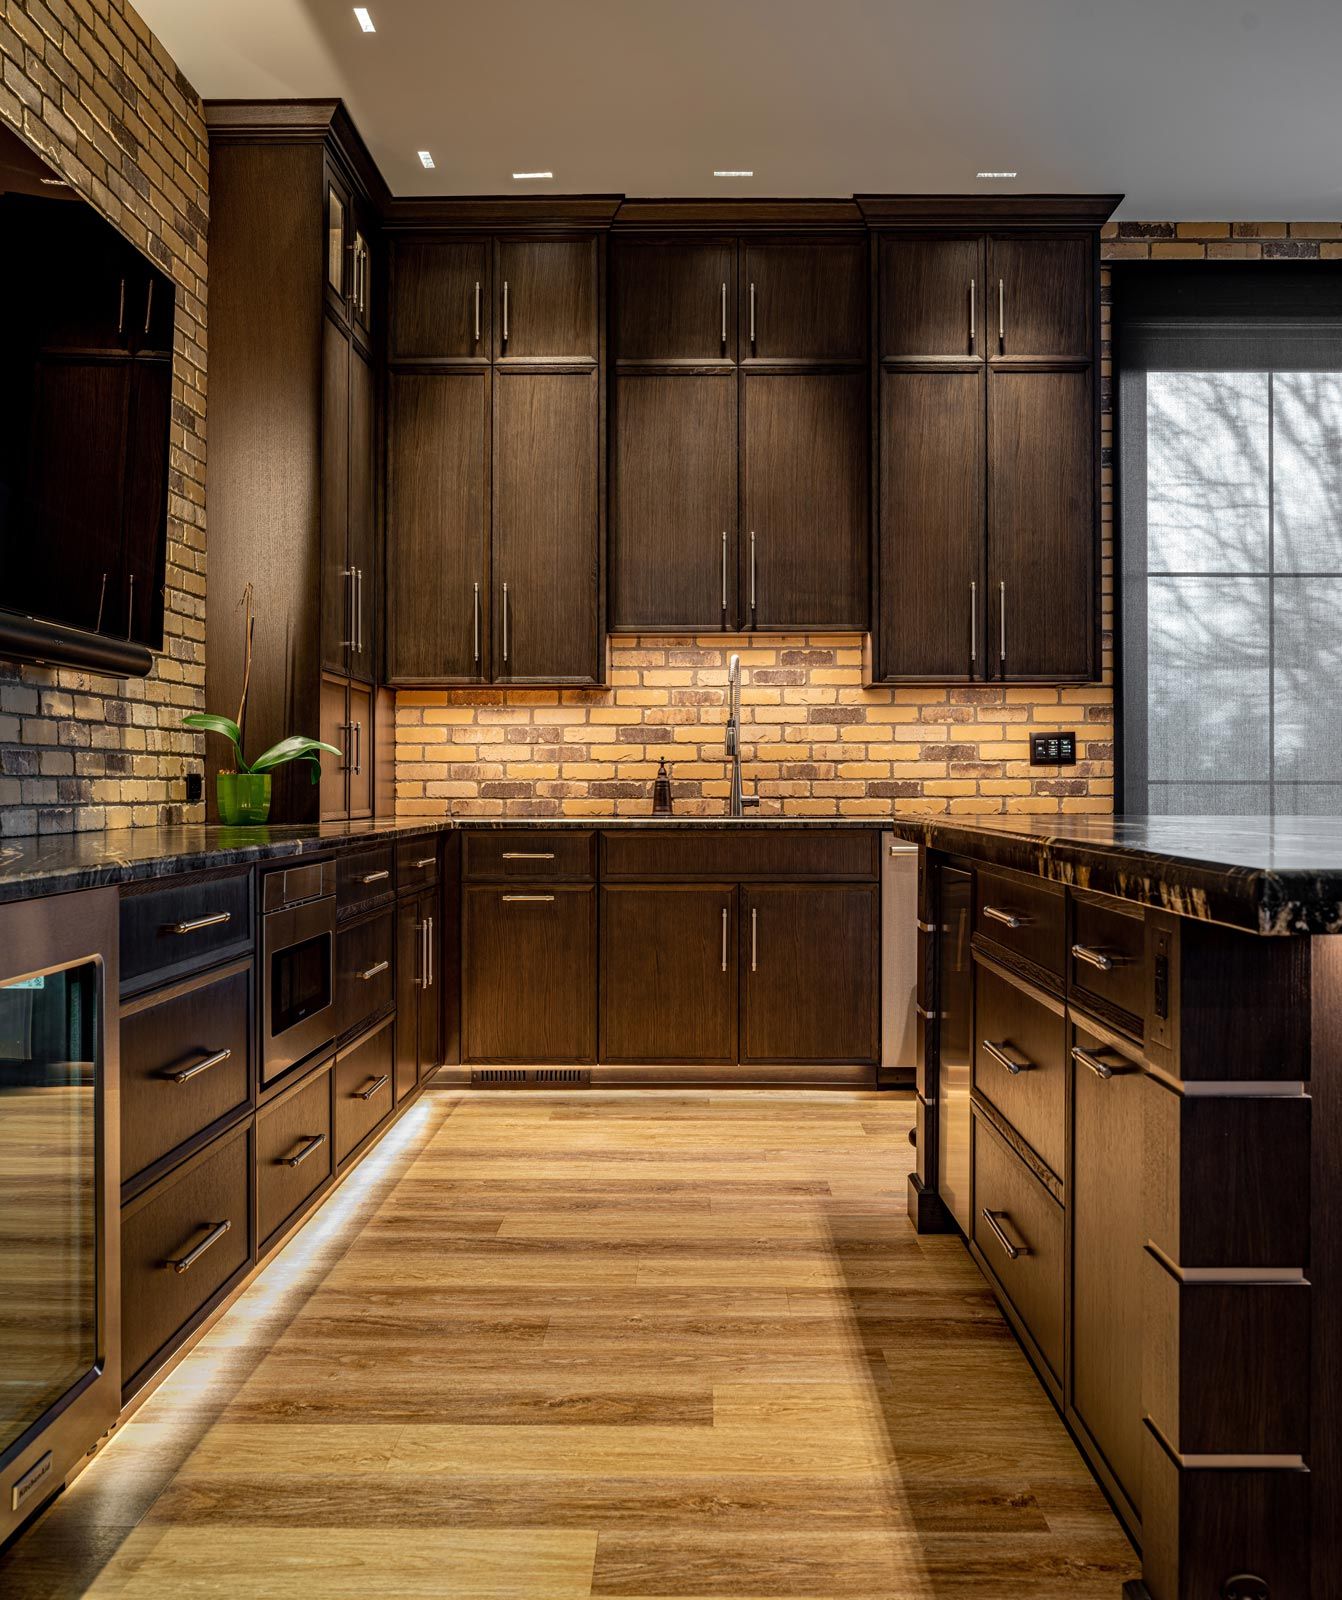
x: 1268, y: 875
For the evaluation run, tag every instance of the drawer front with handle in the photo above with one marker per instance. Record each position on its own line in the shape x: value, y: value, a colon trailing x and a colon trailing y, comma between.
x: 1022, y: 916
x: 180, y: 1245
x: 416, y: 863
x: 182, y: 925
x: 365, y: 978
x: 1107, y: 962
x: 533, y: 855
x: 185, y: 1062
x: 294, y: 1154
x: 363, y: 876
x: 1018, y: 1229
x: 363, y: 1089
x: 1020, y: 1059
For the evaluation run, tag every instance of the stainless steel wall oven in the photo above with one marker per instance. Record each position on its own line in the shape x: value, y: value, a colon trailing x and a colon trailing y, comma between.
x: 298, y: 918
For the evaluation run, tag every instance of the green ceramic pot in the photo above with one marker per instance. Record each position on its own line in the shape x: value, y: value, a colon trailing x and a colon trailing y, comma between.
x: 244, y: 797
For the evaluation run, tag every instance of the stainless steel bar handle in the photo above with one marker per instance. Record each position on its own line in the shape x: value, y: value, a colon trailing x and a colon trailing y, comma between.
x: 476, y: 623
x: 505, y: 311
x: 752, y: 316
x: 754, y: 938
x: 347, y: 728
x: 424, y: 954
x: 752, y: 574
x: 428, y: 962
x: 121, y: 309
x: 148, y: 305
x: 1084, y: 1058
x: 925, y: 1014
x: 505, y: 622
x: 309, y: 1149
x: 724, y: 938
x: 724, y: 572
x: 972, y: 318
x: 347, y: 573
x: 925, y: 927
x: 532, y: 897
x: 380, y: 1082
x: 477, y: 311
x: 1014, y: 1251
x: 528, y: 855
x: 186, y: 1074
x: 185, y: 1263
x: 1015, y: 1068
x: 724, y: 313
x: 358, y: 748
x: 358, y: 609
x: 1008, y: 919
x: 369, y: 973
x: 1093, y: 958
x: 379, y: 876
x: 216, y: 919
x: 427, y: 861
x: 1001, y: 315
x: 1001, y: 621
x: 973, y: 624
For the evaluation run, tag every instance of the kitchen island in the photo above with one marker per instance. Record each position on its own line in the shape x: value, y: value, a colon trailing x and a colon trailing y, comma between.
x: 1130, y: 1032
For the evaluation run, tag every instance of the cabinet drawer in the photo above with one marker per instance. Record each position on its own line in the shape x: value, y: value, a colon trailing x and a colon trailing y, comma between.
x: 1020, y: 1052
x: 362, y: 1090
x: 365, y: 982
x: 1022, y: 915
x: 529, y: 854
x: 182, y: 925
x: 416, y: 864
x: 1017, y: 1227
x: 728, y: 853
x: 180, y: 1245
x: 363, y: 876
x: 1107, y: 961
x: 294, y: 1156
x: 185, y: 1063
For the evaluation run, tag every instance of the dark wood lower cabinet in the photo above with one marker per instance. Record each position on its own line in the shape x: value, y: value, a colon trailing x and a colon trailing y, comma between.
x: 420, y: 976
x: 669, y: 973
x: 363, y: 1089
x: 294, y: 1152
x: 365, y: 985
x: 529, y: 973
x: 810, y: 973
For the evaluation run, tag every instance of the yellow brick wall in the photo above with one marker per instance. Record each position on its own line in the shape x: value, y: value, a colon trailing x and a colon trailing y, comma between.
x: 816, y: 743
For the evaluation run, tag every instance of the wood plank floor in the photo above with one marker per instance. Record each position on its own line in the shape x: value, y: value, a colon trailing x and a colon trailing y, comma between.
x: 617, y: 1344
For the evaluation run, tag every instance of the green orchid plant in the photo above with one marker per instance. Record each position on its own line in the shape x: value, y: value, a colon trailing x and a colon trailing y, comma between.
x: 297, y: 747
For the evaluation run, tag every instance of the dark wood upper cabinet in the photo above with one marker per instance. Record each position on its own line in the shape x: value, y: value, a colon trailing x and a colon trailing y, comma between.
x: 795, y: 1007
x: 805, y: 300
x: 1040, y: 296
x: 362, y: 561
x: 673, y: 501
x: 931, y: 593
x: 441, y: 300
x: 546, y: 297
x: 932, y: 298
x: 437, y: 526
x: 668, y: 978
x: 673, y: 299
x: 546, y: 544
x: 1041, y: 524
x: 804, y: 469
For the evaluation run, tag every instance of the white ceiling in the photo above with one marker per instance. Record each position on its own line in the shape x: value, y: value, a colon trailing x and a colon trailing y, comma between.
x: 1195, y: 108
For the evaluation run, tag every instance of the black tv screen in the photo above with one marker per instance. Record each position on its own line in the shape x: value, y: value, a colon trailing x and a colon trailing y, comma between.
x: 85, y: 409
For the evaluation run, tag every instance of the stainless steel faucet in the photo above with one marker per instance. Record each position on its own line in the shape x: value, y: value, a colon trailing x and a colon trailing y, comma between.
x: 737, y: 803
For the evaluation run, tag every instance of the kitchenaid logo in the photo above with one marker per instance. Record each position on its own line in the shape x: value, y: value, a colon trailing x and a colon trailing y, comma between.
x: 32, y: 1480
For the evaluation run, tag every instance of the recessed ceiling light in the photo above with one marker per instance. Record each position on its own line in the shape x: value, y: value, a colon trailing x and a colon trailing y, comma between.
x: 996, y: 174
x: 364, y: 20
x: 522, y: 177
x: 733, y: 172
x: 425, y: 159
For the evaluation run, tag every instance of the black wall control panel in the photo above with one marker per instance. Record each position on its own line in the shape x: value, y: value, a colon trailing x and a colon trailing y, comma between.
x: 1052, y: 749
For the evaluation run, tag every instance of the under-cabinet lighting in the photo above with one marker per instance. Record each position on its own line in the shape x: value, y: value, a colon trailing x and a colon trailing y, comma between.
x: 364, y: 20
x: 425, y: 159
x: 996, y: 174
x: 733, y: 172
x: 53, y: 183
x: 522, y: 177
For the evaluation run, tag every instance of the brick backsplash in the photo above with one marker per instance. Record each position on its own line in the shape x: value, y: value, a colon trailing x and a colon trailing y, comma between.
x: 86, y: 84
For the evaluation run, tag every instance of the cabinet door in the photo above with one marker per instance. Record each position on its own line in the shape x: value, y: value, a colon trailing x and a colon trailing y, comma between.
x: 362, y: 518
x: 333, y: 720
x: 1040, y: 297
x: 1108, y: 1234
x: 673, y: 502
x: 673, y: 299
x: 361, y: 267
x: 932, y: 298
x: 529, y: 974
x: 361, y: 732
x: 546, y: 298
x: 338, y: 225
x: 437, y: 526
x: 409, y: 986
x: 337, y: 589
x: 440, y: 300
x: 431, y: 994
x: 668, y: 973
x: 1041, y: 524
x: 805, y: 455
x: 930, y: 616
x: 805, y: 300
x: 809, y: 980
x: 546, y: 583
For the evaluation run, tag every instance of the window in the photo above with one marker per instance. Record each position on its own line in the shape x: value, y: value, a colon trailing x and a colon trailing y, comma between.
x: 1230, y: 518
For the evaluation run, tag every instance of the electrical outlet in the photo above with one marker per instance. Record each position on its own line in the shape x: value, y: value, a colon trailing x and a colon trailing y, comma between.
x: 1052, y: 749
x: 195, y: 788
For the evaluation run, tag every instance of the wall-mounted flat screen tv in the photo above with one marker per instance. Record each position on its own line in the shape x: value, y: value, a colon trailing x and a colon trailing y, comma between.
x: 85, y: 408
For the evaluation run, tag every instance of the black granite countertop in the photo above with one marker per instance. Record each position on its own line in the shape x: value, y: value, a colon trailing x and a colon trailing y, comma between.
x: 1272, y: 875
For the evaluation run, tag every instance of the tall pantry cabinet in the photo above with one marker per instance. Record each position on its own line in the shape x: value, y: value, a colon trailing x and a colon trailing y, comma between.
x: 294, y: 468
